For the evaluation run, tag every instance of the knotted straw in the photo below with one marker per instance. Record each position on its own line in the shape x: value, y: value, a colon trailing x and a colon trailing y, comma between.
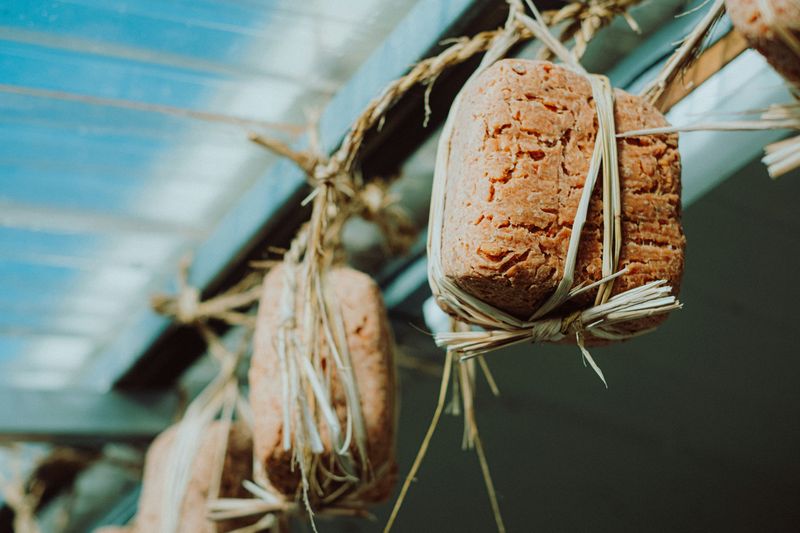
x: 584, y: 18
x: 604, y: 318
x: 684, y: 55
x: 186, y: 308
x: 311, y: 331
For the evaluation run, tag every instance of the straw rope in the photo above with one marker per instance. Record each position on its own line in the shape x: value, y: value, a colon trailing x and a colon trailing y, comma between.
x: 186, y: 308
x: 584, y: 18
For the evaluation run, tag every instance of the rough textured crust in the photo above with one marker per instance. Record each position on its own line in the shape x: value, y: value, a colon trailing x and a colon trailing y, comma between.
x: 746, y: 17
x: 370, y: 342
x: 522, y: 142
x: 238, y: 467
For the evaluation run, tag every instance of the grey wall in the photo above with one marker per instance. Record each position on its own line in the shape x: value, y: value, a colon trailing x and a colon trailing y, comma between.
x: 699, y: 430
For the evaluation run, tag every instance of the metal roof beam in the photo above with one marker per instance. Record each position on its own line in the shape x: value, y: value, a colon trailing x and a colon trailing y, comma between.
x: 83, y: 417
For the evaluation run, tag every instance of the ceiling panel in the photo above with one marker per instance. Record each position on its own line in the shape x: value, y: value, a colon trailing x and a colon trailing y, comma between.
x: 123, y: 141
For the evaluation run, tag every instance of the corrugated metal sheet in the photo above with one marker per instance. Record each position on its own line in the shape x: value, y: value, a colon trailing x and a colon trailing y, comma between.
x: 122, y: 143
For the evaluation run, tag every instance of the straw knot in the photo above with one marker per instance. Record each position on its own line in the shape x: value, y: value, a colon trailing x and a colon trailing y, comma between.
x: 184, y: 308
x: 572, y: 322
x: 550, y: 330
x: 325, y: 171
x: 188, y: 303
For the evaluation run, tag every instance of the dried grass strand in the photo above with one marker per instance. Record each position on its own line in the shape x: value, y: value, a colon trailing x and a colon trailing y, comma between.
x: 426, y: 441
x: 685, y: 55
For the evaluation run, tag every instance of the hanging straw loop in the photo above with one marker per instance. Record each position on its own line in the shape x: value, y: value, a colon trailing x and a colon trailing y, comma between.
x: 502, y: 329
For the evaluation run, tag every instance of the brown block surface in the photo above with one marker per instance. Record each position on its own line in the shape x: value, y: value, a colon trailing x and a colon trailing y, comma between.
x: 522, y: 143
x: 747, y: 18
x: 370, y: 343
x: 238, y: 467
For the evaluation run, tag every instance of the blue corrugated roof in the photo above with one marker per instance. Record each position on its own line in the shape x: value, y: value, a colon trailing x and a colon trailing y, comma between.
x: 119, y: 149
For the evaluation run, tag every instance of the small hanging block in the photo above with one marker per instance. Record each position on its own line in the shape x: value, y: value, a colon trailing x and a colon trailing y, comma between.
x: 192, y: 516
x: 370, y: 346
x: 520, y: 152
x: 773, y: 28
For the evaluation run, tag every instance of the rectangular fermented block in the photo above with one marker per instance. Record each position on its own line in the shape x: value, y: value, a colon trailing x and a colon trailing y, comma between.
x: 193, y: 511
x: 520, y: 151
x: 370, y: 344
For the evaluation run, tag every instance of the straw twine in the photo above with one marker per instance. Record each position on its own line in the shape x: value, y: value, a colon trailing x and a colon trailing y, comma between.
x: 221, y: 398
x: 584, y: 18
x: 684, y: 55
x: 186, y: 308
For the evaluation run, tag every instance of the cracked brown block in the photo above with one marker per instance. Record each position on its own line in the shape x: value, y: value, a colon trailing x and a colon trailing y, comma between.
x: 237, y: 468
x: 370, y: 344
x: 747, y: 18
x: 522, y: 142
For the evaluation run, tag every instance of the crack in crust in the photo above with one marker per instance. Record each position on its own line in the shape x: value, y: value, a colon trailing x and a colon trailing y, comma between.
x: 520, y: 152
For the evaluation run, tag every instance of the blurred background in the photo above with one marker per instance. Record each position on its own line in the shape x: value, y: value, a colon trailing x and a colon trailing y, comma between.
x: 123, y: 148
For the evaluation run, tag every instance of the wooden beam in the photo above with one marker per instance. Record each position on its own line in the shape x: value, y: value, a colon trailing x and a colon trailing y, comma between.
x: 711, y: 61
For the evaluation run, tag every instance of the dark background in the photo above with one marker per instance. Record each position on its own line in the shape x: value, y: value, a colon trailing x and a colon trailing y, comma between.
x: 699, y: 428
